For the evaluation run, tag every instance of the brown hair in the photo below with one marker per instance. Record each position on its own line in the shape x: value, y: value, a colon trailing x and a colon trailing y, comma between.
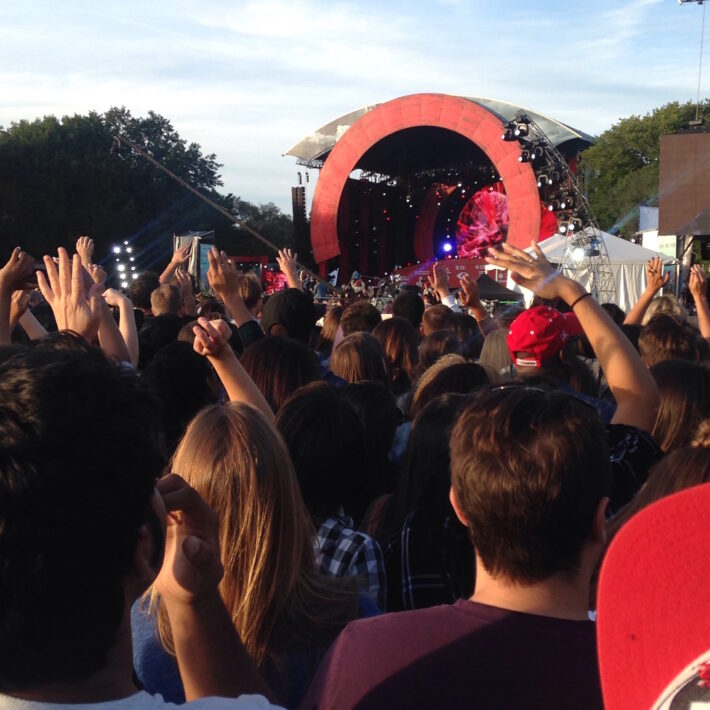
x: 665, y: 338
x: 400, y: 342
x: 495, y: 352
x: 279, y: 366
x: 359, y: 316
x: 529, y: 468
x: 237, y: 461
x: 437, y: 317
x: 166, y: 299
x: 331, y: 322
x: 685, y: 401
x: 249, y: 288
x: 360, y: 357
x: 436, y: 345
x: 458, y: 378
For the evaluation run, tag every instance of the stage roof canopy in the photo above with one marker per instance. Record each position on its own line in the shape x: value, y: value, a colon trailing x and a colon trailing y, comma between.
x: 314, y: 149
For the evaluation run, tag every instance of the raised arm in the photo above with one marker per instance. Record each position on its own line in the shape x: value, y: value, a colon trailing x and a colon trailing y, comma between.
x: 628, y: 377
x: 184, y: 283
x: 288, y: 263
x: 126, y: 321
x: 13, y: 277
x: 698, y: 285
x: 655, y: 281
x: 85, y: 250
x: 211, y: 341
x: 223, y: 278
x: 75, y: 307
x: 440, y: 283
x: 211, y: 658
x: 471, y: 297
x: 178, y: 258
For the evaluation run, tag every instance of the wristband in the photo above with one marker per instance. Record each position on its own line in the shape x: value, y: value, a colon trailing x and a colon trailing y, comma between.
x: 577, y: 300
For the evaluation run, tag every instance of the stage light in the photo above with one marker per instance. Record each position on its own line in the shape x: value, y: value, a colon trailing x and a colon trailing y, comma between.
x: 509, y: 135
x: 129, y: 249
x: 537, y: 152
x: 543, y: 180
x: 447, y: 247
x: 125, y: 241
x: 117, y: 250
x: 124, y: 284
x: 578, y: 254
x: 521, y: 129
x: 554, y: 206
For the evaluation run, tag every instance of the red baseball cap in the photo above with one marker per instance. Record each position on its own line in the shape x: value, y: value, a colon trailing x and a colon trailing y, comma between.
x: 653, y: 607
x: 542, y: 332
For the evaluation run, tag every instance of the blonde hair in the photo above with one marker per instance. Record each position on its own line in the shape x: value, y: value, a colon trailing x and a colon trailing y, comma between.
x: 165, y: 299
x: 495, y: 353
x: 238, y: 462
x: 668, y: 304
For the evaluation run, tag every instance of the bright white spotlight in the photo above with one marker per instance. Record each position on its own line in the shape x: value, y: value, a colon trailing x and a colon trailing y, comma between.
x: 578, y: 254
x: 447, y: 247
x: 121, y: 267
x: 117, y: 250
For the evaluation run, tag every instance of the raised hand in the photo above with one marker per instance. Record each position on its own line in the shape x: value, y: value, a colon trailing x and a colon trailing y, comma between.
x: 114, y: 298
x: 535, y: 273
x: 97, y: 273
x: 697, y: 282
x: 470, y: 293
x: 74, y: 307
x: 85, y: 249
x: 181, y: 255
x: 19, y: 303
x: 288, y: 263
x: 192, y: 567
x: 440, y: 280
x: 16, y: 272
x: 211, y: 337
x: 222, y: 275
x: 184, y: 282
x: 655, y: 278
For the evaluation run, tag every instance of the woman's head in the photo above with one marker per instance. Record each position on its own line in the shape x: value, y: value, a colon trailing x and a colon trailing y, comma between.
x: 460, y: 378
x: 400, y: 342
x: 236, y: 460
x: 495, y: 352
x: 279, y: 366
x: 360, y: 357
x: 685, y: 401
x: 435, y: 346
x: 331, y: 322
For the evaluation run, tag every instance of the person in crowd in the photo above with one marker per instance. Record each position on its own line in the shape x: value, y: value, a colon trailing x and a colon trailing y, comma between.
x: 249, y: 289
x: 360, y: 357
x: 408, y: 304
x: 684, y: 388
x: 359, y: 317
x: 279, y: 366
x: 438, y: 318
x: 648, y: 305
x: 434, y: 346
x: 285, y: 612
x: 496, y: 355
x: 331, y: 323
x: 66, y: 589
x: 457, y: 378
x: 139, y: 291
x: 665, y: 338
x: 428, y: 555
x: 325, y: 438
x: 400, y: 342
x: 536, y: 546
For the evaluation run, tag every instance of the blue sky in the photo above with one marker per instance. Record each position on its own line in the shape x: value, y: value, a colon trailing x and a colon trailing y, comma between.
x: 247, y: 80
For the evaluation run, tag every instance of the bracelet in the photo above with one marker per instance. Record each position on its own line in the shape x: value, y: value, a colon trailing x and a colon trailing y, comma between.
x: 577, y: 300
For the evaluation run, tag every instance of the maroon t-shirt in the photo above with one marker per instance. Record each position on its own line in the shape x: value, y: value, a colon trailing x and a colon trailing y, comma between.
x: 467, y: 655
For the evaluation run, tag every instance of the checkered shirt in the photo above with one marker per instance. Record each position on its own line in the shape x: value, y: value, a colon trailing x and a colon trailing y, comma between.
x: 342, y: 551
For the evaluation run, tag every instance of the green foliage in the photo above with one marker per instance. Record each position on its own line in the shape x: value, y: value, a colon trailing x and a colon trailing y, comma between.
x: 59, y: 179
x: 620, y: 171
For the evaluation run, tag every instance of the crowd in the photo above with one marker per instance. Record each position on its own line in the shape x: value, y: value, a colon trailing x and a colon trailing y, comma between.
x: 221, y: 499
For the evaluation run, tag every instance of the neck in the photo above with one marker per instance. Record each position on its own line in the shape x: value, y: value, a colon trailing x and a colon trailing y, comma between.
x: 559, y: 596
x: 113, y: 682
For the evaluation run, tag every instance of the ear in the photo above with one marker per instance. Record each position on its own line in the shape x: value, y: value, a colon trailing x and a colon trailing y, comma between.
x: 457, y: 507
x: 599, y: 523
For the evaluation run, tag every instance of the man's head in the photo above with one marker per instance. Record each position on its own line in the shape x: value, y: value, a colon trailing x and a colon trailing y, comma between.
x: 290, y: 313
x: 249, y: 289
x: 438, y: 317
x: 530, y: 470
x: 166, y: 299
x: 359, y: 317
x: 538, y: 335
x: 79, y: 455
x: 142, y: 287
x: 410, y: 306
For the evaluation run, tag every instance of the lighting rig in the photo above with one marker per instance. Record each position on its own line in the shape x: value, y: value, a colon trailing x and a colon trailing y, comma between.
x: 585, y: 252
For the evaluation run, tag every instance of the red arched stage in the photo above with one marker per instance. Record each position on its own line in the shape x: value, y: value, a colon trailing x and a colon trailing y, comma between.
x: 423, y: 177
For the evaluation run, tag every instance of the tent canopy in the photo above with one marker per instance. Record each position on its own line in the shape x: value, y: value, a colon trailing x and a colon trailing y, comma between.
x: 491, y: 290
x: 628, y: 263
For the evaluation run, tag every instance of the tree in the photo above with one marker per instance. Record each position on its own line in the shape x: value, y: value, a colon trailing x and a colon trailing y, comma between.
x: 60, y: 179
x: 620, y: 171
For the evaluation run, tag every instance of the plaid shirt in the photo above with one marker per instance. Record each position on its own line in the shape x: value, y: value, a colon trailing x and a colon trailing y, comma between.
x: 342, y: 551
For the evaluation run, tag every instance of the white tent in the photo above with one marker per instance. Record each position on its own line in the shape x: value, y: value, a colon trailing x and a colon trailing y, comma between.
x: 628, y: 263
